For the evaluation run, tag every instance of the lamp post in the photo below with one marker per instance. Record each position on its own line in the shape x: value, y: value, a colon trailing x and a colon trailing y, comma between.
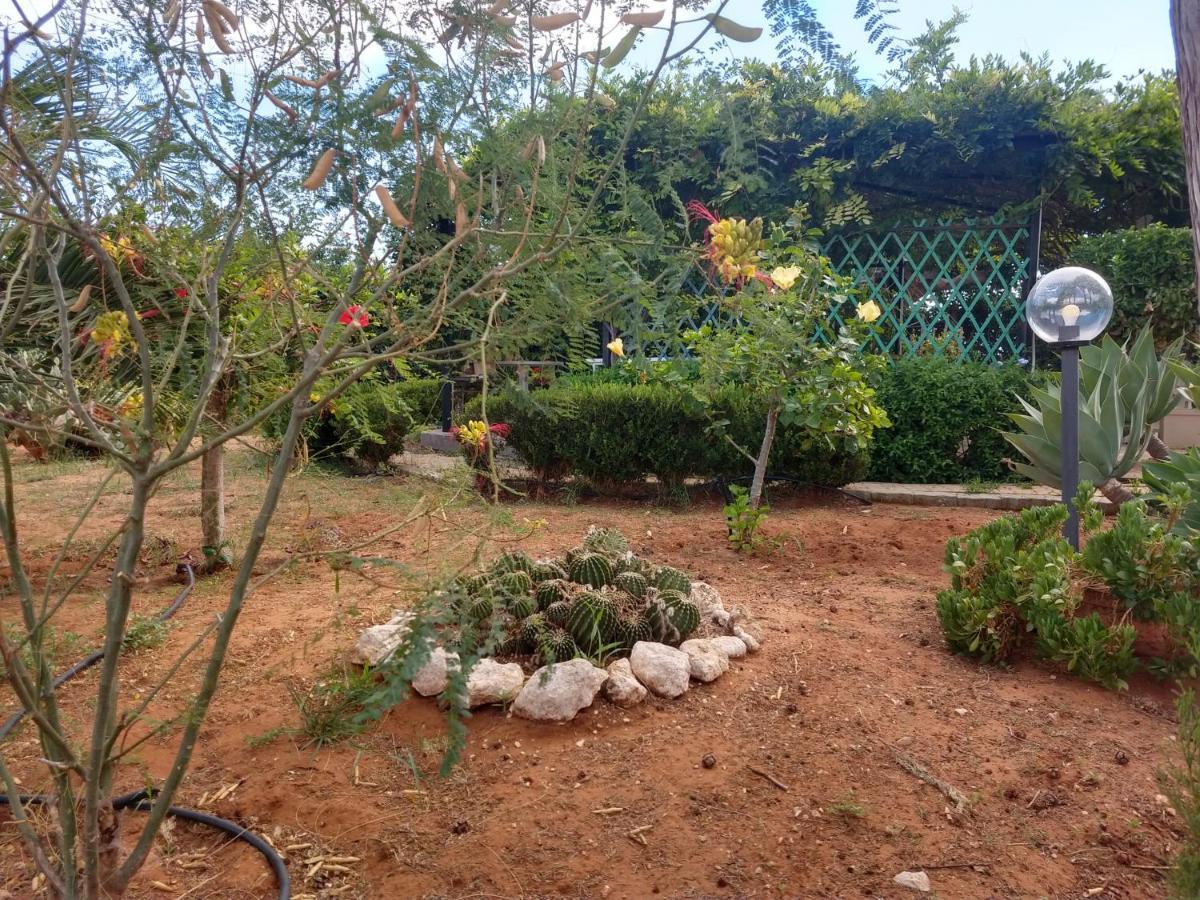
x: 1067, y: 309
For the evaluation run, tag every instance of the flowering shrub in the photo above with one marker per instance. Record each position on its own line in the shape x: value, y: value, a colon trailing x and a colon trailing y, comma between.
x: 476, y: 437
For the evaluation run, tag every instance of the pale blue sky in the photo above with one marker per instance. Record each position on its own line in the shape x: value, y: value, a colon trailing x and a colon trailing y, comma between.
x: 1123, y: 35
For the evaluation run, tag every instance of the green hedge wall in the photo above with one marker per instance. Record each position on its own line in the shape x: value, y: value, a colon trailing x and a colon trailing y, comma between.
x: 1151, y: 273
x: 946, y: 420
x: 607, y: 431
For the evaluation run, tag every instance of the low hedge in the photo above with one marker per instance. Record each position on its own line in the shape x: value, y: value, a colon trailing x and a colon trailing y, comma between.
x: 946, y: 417
x: 608, y: 431
x: 423, y: 397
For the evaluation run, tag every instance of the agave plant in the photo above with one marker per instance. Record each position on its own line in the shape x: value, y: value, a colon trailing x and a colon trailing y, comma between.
x: 1179, y: 471
x: 1124, y: 392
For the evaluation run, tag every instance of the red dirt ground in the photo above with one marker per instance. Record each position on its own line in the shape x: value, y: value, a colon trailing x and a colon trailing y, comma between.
x: 1061, y: 775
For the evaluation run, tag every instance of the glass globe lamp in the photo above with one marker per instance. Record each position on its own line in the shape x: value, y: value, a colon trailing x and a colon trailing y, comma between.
x: 1069, y: 306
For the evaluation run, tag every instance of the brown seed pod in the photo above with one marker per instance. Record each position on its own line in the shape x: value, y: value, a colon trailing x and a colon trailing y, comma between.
x: 291, y: 113
x: 643, y: 19
x: 498, y: 7
x: 84, y: 296
x: 200, y: 35
x: 553, y: 23
x: 320, y: 171
x: 402, y: 120
x: 390, y: 208
x: 462, y: 222
x: 303, y: 82
x: 215, y: 24
x: 505, y: 21
x: 224, y: 12
x: 439, y: 157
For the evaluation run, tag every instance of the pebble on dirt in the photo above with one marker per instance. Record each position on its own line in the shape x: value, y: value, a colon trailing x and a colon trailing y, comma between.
x: 378, y: 642
x: 918, y: 881
x: 432, y: 678
x: 622, y: 688
x: 707, y: 662
x: 493, y: 682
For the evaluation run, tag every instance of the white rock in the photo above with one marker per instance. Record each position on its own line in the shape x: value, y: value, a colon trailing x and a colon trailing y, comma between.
x: 379, y: 642
x: 751, y: 642
x: 622, y: 688
x: 493, y: 682
x: 555, y: 693
x: 664, y: 670
x: 432, y: 677
x: 707, y: 662
x: 708, y: 600
x: 918, y: 881
x: 733, y: 647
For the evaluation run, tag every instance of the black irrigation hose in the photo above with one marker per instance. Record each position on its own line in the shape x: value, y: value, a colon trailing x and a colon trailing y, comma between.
x: 141, y: 800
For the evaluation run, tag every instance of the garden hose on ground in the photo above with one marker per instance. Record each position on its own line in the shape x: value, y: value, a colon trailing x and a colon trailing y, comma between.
x: 142, y: 800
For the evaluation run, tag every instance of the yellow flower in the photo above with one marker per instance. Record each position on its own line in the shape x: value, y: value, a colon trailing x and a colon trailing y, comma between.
x: 785, y: 276
x: 869, y: 311
x: 616, y: 346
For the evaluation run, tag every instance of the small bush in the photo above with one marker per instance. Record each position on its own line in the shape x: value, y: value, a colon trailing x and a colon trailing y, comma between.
x: 619, y: 431
x: 365, y: 425
x: 422, y: 397
x: 1150, y: 271
x: 946, y: 420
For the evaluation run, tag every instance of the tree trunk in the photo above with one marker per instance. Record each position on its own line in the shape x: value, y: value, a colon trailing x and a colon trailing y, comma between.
x: 1158, y: 448
x: 764, y: 454
x: 1185, y: 29
x: 1116, y: 491
x: 217, y: 553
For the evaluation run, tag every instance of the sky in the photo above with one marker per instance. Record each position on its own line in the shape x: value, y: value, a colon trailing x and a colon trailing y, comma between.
x: 1123, y: 35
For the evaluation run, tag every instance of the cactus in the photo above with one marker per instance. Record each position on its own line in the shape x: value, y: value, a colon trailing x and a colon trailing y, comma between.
x: 533, y: 629
x: 607, y: 541
x: 522, y: 607
x: 551, y: 592
x: 632, y: 583
x: 558, y: 613
x: 480, y: 609
x: 627, y: 562
x: 548, y: 571
x: 515, y: 561
x: 667, y: 578
x: 633, y: 629
x: 556, y: 646
x: 591, y: 569
x: 592, y: 621
x: 685, y: 616
x: 514, y: 584
x: 658, y: 621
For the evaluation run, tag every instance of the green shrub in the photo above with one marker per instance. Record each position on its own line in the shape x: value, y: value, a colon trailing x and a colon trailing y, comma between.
x: 1182, y: 785
x: 1150, y: 271
x: 366, y: 424
x: 423, y: 397
x: 946, y: 420
x: 613, y: 431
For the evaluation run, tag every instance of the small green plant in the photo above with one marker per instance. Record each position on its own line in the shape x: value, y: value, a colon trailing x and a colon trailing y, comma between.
x: 145, y: 633
x: 331, y: 710
x: 848, y: 807
x: 1182, y: 785
x: 980, y: 486
x: 743, y: 520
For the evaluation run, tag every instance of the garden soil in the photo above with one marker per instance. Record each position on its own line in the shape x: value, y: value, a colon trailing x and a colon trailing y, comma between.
x: 827, y: 748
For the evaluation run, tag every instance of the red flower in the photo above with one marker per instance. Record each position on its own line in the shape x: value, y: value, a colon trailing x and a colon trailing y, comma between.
x: 181, y: 292
x: 354, y: 316
x: 500, y: 429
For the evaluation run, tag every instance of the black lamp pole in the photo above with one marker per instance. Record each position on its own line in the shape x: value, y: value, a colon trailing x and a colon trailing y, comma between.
x: 1069, y: 345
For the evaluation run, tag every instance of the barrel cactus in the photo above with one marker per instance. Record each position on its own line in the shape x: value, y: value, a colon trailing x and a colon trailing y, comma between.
x: 522, y: 607
x: 547, y: 571
x: 513, y: 561
x: 592, y: 621
x: 658, y: 621
x: 628, y: 562
x: 633, y: 629
x: 607, y: 541
x: 556, y: 645
x: 481, y: 608
x: 685, y: 616
x: 551, y: 592
x: 592, y: 569
x: 514, y: 584
x: 558, y: 613
x: 631, y: 583
x: 668, y: 578
x: 533, y: 629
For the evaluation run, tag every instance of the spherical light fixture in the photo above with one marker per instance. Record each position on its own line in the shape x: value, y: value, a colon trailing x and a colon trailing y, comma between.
x: 1069, y: 306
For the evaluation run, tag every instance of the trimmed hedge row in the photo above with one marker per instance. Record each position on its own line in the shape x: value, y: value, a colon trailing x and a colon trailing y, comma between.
x: 607, y: 431
x: 946, y: 420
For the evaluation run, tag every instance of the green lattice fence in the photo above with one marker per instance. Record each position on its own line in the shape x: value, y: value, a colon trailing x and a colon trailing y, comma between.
x: 950, y: 287
x: 945, y: 287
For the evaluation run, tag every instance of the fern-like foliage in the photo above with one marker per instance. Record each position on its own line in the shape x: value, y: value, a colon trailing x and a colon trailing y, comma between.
x: 800, y: 35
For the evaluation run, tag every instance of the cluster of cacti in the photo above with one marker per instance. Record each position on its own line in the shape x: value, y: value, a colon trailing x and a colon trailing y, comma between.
x: 599, y: 601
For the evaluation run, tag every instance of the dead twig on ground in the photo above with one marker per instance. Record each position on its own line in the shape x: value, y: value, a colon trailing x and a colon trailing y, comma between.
x: 914, y: 768
x: 771, y: 778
